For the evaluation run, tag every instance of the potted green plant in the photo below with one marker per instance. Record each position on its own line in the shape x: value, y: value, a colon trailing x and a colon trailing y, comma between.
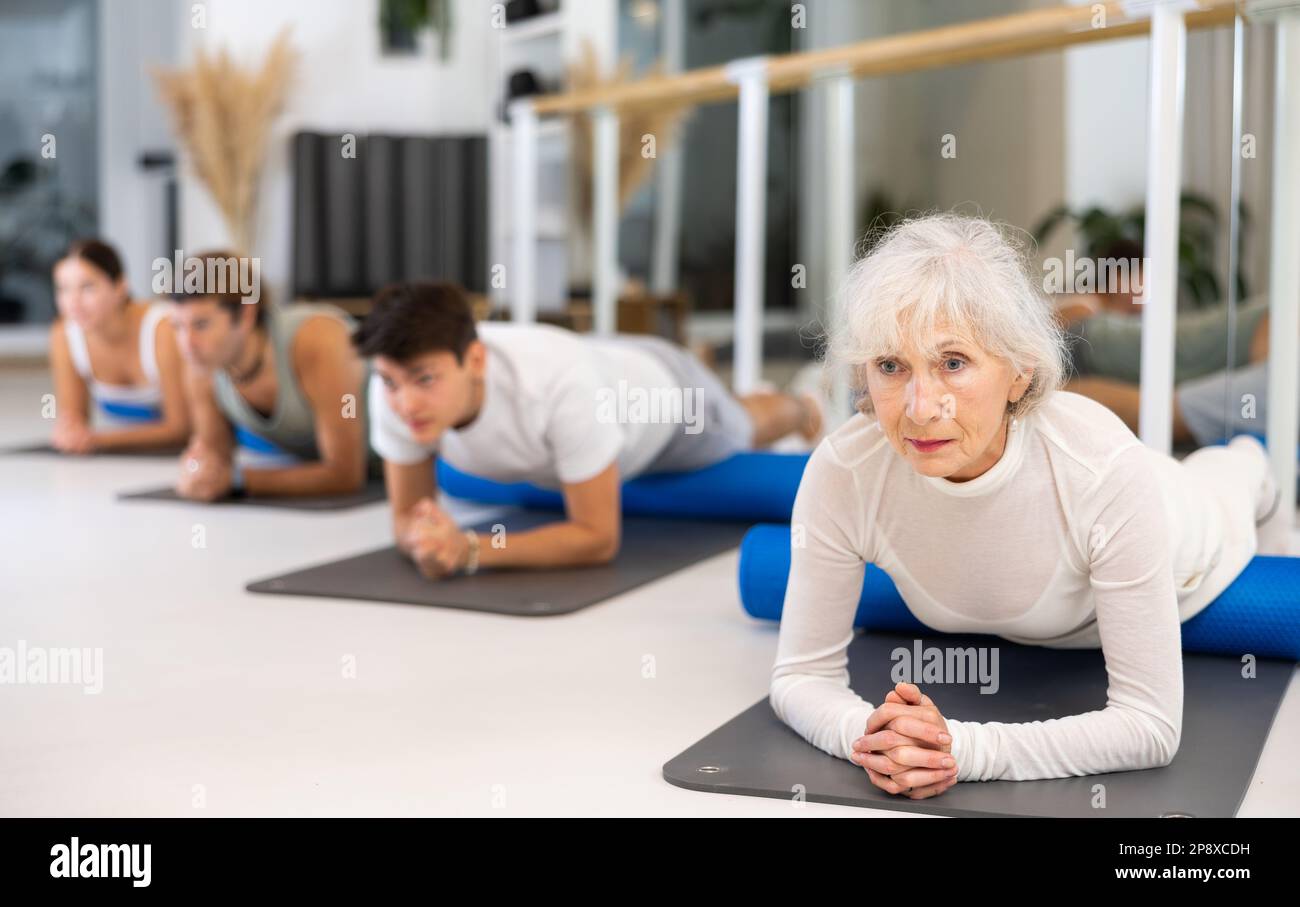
x: 1198, y: 230
x: 402, y: 22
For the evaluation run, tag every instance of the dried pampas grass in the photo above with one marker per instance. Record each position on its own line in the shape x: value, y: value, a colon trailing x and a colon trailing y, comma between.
x: 663, y: 121
x: 222, y: 114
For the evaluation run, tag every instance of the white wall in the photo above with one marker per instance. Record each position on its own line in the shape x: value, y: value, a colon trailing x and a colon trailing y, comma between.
x: 1005, y: 117
x: 342, y: 83
x: 134, y: 37
x: 1106, y: 123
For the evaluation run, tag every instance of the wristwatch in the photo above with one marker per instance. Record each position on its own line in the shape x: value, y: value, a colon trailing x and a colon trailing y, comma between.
x: 471, y: 562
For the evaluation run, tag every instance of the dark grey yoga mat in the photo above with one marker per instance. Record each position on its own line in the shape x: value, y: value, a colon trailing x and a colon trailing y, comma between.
x: 373, y: 491
x: 1226, y: 719
x: 43, y: 447
x: 652, y: 548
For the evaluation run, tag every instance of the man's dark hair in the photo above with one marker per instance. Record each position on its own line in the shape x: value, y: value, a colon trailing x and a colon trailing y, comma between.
x: 411, y: 319
x: 231, y: 300
x: 1121, y: 247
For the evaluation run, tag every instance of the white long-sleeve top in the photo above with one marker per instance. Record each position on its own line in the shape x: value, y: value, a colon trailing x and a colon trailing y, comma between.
x: 1079, y: 536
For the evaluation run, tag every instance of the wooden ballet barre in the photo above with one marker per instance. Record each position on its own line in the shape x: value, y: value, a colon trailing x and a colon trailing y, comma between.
x: 950, y: 45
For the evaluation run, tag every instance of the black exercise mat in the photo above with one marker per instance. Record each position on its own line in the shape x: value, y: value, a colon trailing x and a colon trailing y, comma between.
x: 652, y: 548
x: 373, y: 491
x: 47, y: 448
x: 1226, y: 719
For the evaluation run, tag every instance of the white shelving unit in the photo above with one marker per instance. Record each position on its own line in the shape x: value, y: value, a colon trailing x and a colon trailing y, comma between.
x: 544, y: 44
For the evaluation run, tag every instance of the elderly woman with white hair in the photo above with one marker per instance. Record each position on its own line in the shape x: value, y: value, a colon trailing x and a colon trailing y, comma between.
x: 998, y: 504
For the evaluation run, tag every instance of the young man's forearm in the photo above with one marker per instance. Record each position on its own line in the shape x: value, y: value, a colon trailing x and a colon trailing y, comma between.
x: 564, y: 544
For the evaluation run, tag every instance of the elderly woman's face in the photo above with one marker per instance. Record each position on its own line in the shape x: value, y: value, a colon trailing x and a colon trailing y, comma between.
x: 945, y: 414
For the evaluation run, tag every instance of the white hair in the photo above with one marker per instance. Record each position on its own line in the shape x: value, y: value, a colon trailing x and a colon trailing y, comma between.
x: 964, y: 273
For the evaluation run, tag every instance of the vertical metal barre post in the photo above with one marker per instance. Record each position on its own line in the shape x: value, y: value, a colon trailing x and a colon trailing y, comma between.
x: 522, y: 281
x: 751, y: 220
x: 840, y: 197
x: 668, y: 191
x: 1164, y: 175
x: 1234, y: 219
x: 1284, y: 265
x: 604, y: 301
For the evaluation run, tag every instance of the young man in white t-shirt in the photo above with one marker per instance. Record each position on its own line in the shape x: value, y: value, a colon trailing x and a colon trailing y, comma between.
x: 540, y: 404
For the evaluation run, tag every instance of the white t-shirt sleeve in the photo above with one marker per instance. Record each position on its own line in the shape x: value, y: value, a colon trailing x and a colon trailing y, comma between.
x: 389, y: 436
x: 581, y: 444
x: 1125, y: 538
x: 810, y: 680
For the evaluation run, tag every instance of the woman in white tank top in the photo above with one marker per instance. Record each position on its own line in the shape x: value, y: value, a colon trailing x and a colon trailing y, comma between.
x: 118, y: 377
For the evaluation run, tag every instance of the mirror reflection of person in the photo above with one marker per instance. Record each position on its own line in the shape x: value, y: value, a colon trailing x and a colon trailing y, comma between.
x: 1104, y: 330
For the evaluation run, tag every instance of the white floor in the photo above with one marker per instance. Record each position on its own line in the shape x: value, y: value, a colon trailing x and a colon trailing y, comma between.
x: 217, y: 702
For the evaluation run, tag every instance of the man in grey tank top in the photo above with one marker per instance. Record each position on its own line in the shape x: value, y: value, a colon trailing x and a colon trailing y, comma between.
x: 285, y: 384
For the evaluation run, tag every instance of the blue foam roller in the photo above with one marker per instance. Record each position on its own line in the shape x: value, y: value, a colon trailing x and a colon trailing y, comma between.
x: 765, y: 569
x: 463, y: 485
x: 758, y: 486
x: 1258, y: 614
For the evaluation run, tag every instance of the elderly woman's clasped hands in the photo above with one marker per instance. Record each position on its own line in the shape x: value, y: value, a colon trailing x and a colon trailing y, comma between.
x: 907, y: 748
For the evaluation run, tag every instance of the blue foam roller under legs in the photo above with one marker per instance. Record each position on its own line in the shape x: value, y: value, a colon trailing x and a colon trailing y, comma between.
x: 463, y: 485
x: 758, y: 486
x: 1258, y: 614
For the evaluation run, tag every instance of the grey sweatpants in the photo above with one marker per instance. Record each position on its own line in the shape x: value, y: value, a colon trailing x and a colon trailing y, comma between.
x: 1224, y: 403
x: 726, y: 428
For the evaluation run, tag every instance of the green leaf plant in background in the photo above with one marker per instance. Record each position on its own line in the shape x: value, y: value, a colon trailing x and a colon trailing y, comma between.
x: 877, y: 215
x: 1198, y: 231
x: 400, y: 21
